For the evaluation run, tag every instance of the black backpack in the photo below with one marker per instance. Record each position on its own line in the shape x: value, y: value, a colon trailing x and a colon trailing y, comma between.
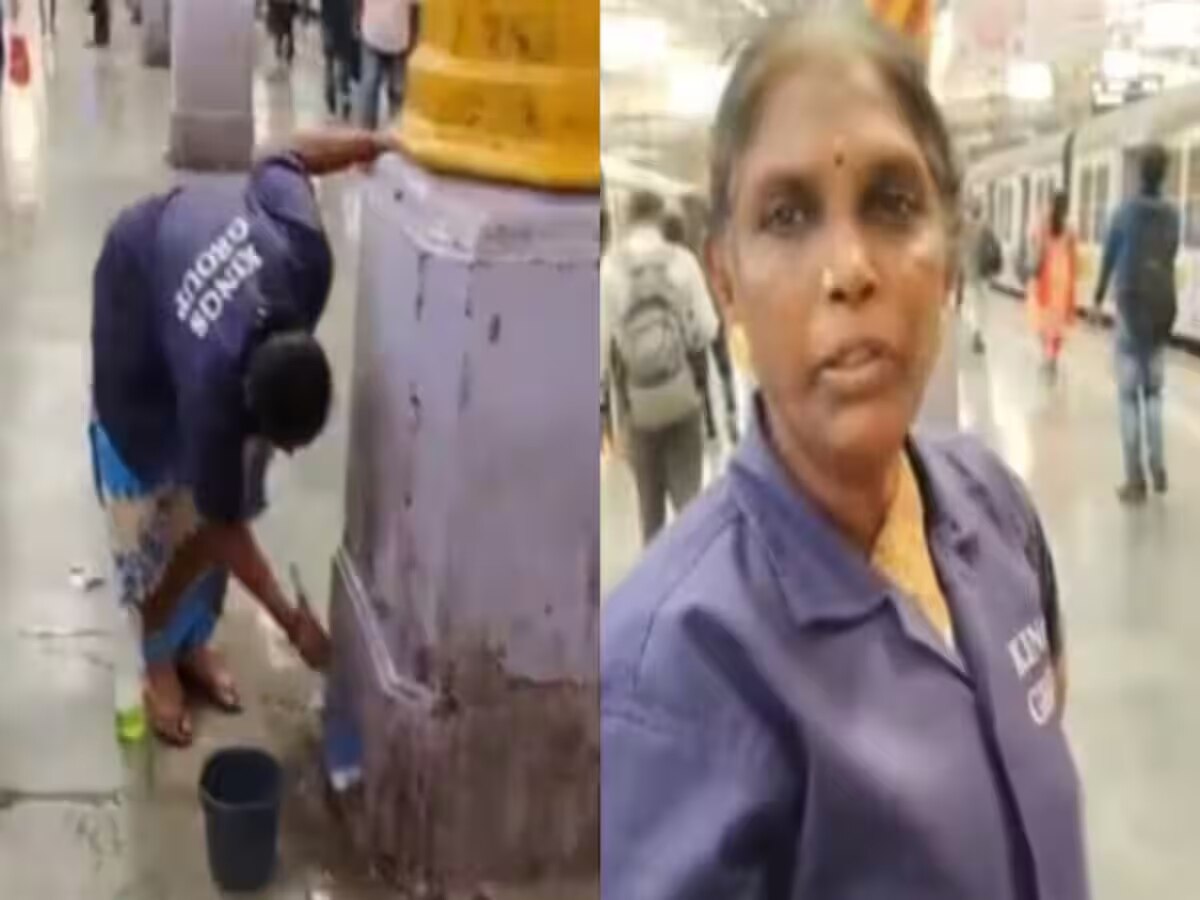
x: 1149, y: 288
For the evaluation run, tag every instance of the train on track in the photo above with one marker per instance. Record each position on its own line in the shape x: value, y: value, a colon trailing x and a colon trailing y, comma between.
x: 1097, y: 164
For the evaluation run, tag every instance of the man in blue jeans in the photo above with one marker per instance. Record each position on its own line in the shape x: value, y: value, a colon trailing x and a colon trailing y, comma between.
x: 1140, y: 249
x: 341, y: 49
x: 387, y: 37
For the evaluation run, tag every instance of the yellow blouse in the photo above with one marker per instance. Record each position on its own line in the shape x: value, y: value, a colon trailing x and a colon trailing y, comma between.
x: 739, y: 350
x: 902, y: 553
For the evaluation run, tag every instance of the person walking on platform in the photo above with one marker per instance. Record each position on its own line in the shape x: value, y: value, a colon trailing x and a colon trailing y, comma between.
x: 339, y: 45
x: 1140, y: 250
x: 387, y: 37
x: 1051, y: 291
x: 281, y: 25
x: 656, y: 325
x: 15, y: 40
x: 982, y: 260
x: 675, y: 231
x: 101, y: 23
x: 48, y: 15
x: 205, y: 300
x: 841, y: 673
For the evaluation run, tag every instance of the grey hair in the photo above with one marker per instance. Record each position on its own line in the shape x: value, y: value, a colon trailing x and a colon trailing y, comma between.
x: 785, y: 42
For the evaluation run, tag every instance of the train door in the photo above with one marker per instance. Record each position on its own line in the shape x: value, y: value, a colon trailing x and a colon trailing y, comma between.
x: 1102, y: 199
x: 1129, y: 173
x: 1004, y: 217
x: 1173, y: 187
x: 1085, y: 220
x: 1084, y: 191
x: 1188, y: 266
x: 1099, y: 197
x: 1047, y: 185
x: 1026, y: 200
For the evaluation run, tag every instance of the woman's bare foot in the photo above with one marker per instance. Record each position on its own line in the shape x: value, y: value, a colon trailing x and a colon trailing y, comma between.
x: 204, y: 670
x: 165, y: 704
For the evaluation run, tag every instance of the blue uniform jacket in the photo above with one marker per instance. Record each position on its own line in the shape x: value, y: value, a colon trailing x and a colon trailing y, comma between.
x: 778, y: 723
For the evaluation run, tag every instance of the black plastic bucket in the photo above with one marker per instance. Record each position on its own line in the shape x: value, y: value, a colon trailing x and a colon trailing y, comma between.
x: 241, y: 789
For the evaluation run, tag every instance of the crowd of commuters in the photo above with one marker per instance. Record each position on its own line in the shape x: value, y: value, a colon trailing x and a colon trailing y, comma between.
x: 366, y: 45
x: 659, y: 334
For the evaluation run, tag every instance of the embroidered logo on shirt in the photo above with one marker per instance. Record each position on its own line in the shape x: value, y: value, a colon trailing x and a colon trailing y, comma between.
x: 1027, y: 648
x: 215, y: 276
x: 1042, y: 698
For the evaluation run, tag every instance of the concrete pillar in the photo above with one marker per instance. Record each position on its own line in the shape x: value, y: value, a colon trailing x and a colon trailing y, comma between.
x: 465, y: 602
x: 212, y: 55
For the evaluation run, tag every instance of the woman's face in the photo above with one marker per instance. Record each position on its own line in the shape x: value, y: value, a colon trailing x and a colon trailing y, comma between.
x: 835, y: 262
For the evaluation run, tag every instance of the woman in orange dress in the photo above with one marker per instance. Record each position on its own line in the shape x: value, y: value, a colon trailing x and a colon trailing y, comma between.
x: 1051, y: 291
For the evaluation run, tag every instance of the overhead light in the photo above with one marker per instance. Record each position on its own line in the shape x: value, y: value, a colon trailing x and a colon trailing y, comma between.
x: 1170, y: 25
x: 755, y: 7
x: 695, y: 89
x: 631, y: 42
x: 942, y: 52
x: 1120, y: 64
x: 1029, y: 81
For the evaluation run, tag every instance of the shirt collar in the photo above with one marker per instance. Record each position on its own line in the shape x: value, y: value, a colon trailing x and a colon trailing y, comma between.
x: 824, y: 577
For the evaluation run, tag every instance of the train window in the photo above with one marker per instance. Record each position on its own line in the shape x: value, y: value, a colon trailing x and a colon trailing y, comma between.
x: 1191, y: 217
x: 1012, y: 209
x: 1084, y: 225
x: 1026, y: 199
x: 1100, y: 204
x: 1006, y: 211
x: 1047, y: 194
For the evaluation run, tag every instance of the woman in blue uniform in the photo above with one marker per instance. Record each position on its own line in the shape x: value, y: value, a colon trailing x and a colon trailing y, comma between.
x: 837, y: 676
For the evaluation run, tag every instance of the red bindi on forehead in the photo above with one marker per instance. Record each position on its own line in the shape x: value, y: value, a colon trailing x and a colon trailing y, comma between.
x: 828, y: 113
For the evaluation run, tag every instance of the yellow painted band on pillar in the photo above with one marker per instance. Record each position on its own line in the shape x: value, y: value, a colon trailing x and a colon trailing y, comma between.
x: 911, y: 17
x: 507, y: 90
